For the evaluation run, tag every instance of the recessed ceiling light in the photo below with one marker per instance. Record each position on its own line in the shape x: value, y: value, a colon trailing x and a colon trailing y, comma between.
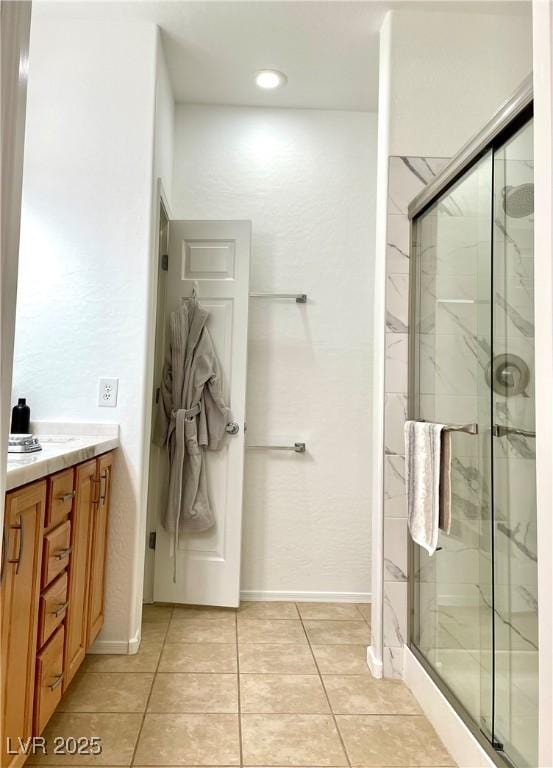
x: 270, y: 78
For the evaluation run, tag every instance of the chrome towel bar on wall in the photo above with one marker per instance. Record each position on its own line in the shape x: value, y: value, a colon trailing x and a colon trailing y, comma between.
x: 300, y: 298
x: 297, y: 447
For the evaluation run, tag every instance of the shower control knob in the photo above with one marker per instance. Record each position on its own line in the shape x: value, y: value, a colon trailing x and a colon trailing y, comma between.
x: 233, y: 428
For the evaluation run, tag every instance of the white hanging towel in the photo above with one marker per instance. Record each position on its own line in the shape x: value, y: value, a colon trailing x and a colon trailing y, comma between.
x: 428, y: 481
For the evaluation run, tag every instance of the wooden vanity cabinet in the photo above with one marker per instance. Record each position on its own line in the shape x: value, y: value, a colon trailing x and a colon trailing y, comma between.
x: 19, y: 604
x: 51, y: 593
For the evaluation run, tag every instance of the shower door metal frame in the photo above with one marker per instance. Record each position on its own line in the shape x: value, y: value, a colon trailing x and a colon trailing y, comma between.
x: 508, y: 119
x: 501, y: 123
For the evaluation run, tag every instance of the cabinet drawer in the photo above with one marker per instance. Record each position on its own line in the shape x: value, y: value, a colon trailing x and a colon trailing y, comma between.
x: 53, y: 607
x: 49, y: 680
x: 57, y: 549
x: 61, y: 493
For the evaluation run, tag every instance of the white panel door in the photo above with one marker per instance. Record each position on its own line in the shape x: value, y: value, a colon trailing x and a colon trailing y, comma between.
x: 214, y: 256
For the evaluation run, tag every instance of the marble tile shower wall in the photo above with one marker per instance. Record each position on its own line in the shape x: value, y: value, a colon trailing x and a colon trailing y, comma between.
x: 406, y: 177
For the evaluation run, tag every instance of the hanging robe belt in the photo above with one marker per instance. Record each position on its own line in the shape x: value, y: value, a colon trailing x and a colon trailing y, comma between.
x: 178, y: 418
x: 188, y: 413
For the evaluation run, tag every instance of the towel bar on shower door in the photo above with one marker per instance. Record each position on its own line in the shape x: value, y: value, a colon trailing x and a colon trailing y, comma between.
x: 469, y: 429
x: 499, y: 430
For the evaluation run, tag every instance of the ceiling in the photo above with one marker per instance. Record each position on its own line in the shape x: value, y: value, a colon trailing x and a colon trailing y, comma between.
x: 328, y: 50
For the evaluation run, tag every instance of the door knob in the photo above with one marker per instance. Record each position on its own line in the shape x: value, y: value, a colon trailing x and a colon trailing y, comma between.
x: 233, y: 428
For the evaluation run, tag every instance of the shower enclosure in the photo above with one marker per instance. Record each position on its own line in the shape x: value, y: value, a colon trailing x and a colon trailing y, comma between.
x: 473, y: 613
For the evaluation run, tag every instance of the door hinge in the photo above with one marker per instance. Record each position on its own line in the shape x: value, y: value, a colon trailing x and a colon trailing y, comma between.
x: 164, y: 262
x: 152, y: 540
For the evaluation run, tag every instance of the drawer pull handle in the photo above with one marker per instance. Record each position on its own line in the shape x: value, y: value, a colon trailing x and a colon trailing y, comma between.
x: 66, y: 496
x: 60, y: 609
x: 57, y: 682
x: 61, y: 554
x: 17, y: 561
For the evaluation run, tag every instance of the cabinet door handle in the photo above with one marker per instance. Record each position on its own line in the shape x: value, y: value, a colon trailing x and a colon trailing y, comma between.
x: 104, y: 476
x: 66, y: 496
x: 57, y: 682
x: 60, y: 609
x: 17, y: 560
x: 61, y: 554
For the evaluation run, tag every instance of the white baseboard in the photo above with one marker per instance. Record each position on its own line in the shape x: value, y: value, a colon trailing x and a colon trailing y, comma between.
x: 120, y: 647
x: 306, y: 597
x: 461, y: 744
x: 110, y: 646
x: 375, y: 664
x: 134, y: 643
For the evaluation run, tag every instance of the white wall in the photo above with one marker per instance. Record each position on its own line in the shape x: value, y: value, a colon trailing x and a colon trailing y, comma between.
x: 449, y: 72
x: 307, y: 181
x: 84, y: 265
x: 164, y: 127
x: 543, y: 271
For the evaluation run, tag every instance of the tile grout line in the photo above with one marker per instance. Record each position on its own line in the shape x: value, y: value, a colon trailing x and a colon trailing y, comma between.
x: 241, y: 755
x: 151, y: 689
x: 325, y: 691
x: 361, y: 619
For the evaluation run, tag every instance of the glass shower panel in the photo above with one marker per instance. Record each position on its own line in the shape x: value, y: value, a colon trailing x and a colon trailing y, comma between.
x: 452, y: 598
x: 511, y: 377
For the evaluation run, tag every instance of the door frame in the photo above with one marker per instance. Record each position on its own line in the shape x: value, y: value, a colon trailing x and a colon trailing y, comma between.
x: 160, y: 201
x: 146, y: 586
x: 16, y: 27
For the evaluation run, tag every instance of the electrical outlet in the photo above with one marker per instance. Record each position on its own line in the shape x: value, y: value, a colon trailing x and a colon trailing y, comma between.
x: 107, y: 393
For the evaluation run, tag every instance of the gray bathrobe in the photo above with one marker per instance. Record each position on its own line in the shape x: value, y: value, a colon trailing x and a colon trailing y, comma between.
x: 192, y: 417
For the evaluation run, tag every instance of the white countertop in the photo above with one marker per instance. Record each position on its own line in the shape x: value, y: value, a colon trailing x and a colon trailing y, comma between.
x: 63, y: 445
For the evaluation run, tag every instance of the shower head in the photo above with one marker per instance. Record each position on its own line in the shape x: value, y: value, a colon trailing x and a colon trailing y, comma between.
x: 518, y: 201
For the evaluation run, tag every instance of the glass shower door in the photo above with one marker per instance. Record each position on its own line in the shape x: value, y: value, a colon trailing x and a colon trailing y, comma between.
x: 453, y: 590
x: 474, y: 602
x: 511, y: 378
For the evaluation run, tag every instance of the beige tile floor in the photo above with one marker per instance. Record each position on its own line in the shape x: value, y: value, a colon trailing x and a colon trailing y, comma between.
x: 272, y: 684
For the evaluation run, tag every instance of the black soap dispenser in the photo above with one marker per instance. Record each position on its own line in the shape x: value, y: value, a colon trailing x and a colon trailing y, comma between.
x: 21, y: 418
